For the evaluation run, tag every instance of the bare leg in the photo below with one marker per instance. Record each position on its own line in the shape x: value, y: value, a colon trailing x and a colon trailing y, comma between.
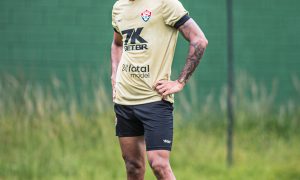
x: 159, y: 162
x: 133, y: 152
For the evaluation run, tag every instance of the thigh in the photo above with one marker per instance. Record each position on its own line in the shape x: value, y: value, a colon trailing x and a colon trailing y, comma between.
x: 157, y: 119
x: 133, y: 148
x: 127, y: 125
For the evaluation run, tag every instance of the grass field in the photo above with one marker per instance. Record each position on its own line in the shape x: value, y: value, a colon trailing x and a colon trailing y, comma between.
x: 45, y: 135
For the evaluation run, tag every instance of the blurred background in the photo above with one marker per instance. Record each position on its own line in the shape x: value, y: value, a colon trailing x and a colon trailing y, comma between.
x: 56, y: 114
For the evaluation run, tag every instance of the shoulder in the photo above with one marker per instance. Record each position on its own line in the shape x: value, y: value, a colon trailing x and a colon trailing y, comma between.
x: 116, y: 5
x: 119, y: 5
x: 171, y: 3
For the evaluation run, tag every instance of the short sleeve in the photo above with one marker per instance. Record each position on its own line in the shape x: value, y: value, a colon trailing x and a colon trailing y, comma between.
x: 174, y: 13
x: 113, y: 22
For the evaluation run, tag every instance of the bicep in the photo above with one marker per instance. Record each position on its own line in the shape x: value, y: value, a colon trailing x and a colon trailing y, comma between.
x: 191, y: 31
x: 117, y: 40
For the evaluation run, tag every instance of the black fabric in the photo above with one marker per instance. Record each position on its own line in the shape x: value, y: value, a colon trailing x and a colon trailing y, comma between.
x: 153, y: 120
x: 116, y: 31
x: 181, y: 21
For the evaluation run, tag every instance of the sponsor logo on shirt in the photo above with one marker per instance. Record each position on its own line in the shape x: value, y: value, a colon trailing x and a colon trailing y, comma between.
x: 137, y: 71
x: 132, y: 37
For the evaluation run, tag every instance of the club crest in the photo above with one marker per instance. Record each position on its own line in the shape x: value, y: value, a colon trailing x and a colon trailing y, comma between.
x: 146, y: 15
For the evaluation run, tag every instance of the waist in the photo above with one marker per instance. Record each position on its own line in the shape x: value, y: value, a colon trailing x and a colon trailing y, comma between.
x: 128, y: 94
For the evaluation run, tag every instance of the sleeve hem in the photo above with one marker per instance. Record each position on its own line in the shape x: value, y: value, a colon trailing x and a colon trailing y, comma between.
x: 116, y: 31
x: 181, y: 21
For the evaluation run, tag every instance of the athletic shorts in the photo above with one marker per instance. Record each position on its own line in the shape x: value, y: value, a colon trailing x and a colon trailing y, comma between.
x: 153, y: 120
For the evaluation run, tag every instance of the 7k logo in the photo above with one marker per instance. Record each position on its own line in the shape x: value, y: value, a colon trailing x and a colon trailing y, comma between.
x: 133, y: 35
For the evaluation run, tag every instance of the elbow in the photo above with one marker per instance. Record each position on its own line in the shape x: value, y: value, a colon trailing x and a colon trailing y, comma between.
x: 203, y: 42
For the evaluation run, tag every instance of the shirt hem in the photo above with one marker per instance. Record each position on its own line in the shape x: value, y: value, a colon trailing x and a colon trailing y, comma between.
x: 138, y: 102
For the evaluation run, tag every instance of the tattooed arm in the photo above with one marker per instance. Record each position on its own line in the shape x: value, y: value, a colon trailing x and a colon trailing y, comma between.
x: 192, y: 33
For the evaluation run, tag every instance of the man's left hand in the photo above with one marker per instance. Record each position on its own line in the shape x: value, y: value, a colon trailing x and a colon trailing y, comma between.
x: 165, y: 87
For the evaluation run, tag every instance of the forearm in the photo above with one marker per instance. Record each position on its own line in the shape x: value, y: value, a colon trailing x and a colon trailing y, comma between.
x: 198, y: 43
x: 195, y: 54
x: 116, y: 53
x: 192, y: 33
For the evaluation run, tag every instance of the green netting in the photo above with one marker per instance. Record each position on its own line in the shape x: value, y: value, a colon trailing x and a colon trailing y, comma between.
x: 42, y: 38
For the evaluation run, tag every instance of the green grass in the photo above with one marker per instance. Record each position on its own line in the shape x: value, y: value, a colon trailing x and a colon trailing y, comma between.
x: 46, y: 133
x: 86, y: 148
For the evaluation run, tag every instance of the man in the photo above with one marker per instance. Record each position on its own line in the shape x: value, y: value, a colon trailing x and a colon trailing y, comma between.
x: 142, y: 52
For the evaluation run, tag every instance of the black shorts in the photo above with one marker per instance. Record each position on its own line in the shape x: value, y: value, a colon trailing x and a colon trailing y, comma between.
x: 152, y: 120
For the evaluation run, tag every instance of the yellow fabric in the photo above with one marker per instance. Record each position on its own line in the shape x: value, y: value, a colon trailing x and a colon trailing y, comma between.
x: 149, y: 41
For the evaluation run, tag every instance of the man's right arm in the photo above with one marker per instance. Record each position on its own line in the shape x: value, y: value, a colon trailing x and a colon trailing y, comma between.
x: 116, y: 53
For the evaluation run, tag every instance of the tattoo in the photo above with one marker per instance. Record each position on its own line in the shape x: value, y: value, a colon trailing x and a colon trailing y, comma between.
x: 196, y: 51
x: 192, y: 62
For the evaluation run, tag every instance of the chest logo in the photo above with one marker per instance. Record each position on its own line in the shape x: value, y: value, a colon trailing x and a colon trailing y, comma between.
x: 133, y: 40
x: 146, y: 15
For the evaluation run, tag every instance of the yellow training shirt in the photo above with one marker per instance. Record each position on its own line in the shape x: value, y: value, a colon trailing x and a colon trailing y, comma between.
x: 149, y: 31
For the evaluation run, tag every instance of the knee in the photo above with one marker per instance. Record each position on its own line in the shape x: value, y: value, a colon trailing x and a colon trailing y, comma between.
x: 134, y: 167
x: 160, y: 167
